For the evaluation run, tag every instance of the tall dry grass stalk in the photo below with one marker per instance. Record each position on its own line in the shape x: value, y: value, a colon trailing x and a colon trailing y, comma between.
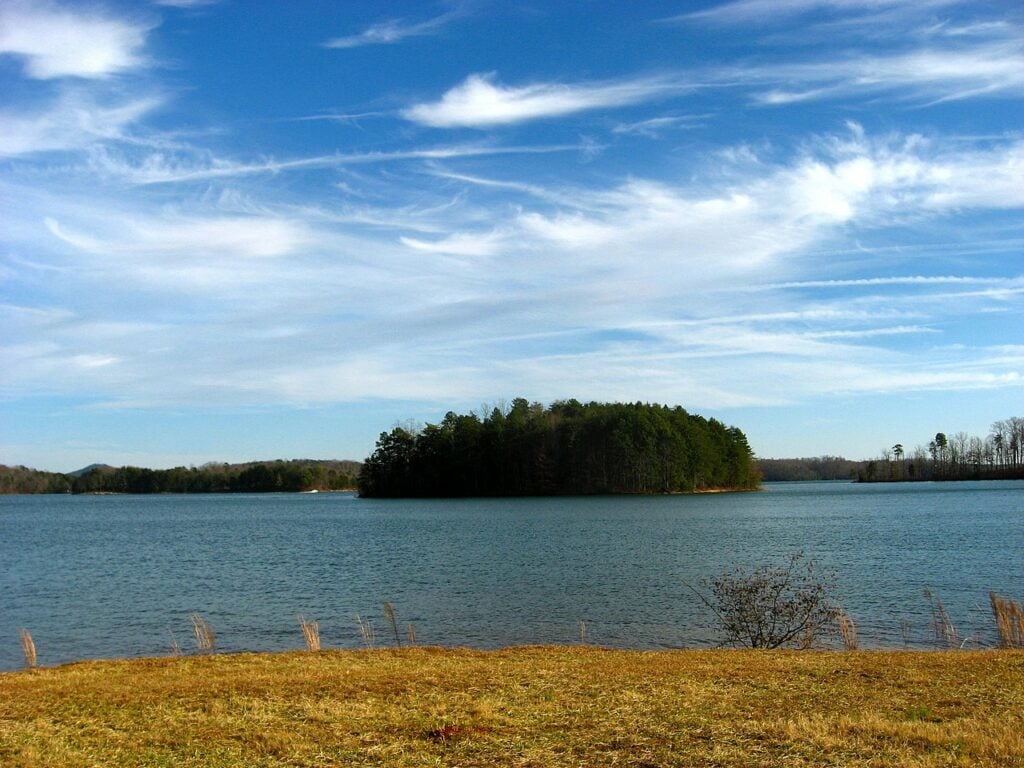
x: 310, y: 633
x: 942, y: 625
x: 206, y: 640
x: 366, y: 632
x: 410, y: 634
x: 1009, y: 616
x: 583, y: 630
x: 175, y: 649
x: 905, y: 632
x: 391, y: 616
x: 847, y: 631
x: 28, y: 647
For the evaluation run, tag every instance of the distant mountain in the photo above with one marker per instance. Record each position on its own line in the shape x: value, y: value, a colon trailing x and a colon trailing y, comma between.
x: 86, y: 470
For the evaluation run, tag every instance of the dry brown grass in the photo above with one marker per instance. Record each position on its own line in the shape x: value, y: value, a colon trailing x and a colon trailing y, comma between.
x: 563, y: 706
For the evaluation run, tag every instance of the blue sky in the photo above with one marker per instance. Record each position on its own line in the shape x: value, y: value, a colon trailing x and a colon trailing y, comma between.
x: 252, y: 230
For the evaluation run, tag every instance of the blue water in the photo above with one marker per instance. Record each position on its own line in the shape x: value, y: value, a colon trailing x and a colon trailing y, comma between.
x: 109, y: 576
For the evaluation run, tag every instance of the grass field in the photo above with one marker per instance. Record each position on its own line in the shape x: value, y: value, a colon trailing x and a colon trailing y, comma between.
x: 551, y: 706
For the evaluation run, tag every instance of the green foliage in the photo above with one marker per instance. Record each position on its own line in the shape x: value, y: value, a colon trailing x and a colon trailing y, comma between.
x: 568, y: 448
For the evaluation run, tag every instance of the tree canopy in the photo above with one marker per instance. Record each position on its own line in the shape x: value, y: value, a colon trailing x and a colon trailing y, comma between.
x: 566, y: 448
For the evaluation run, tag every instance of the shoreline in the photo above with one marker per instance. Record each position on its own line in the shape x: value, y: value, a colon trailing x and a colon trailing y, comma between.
x: 554, y: 648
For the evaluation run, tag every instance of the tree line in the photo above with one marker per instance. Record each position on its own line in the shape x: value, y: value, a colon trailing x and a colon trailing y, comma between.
x: 810, y: 468
x: 567, y: 448
x: 255, y: 477
x: 997, y: 456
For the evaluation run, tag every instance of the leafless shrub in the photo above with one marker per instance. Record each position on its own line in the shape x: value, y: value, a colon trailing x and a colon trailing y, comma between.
x: 772, y: 607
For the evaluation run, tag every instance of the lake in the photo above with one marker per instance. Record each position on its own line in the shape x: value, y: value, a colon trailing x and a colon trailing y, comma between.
x: 110, y: 576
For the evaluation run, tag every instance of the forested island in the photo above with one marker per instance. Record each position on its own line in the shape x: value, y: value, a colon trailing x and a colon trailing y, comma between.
x: 997, y: 456
x: 564, y: 449
x: 251, y: 477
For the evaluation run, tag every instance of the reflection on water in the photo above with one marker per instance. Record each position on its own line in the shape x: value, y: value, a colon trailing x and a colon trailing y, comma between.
x: 106, y: 576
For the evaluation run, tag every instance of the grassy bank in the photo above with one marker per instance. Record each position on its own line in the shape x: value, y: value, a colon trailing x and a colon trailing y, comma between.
x: 527, y: 707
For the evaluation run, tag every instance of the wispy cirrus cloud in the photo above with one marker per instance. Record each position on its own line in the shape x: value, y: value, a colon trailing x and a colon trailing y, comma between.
x: 617, y: 285
x: 901, y: 280
x: 248, y: 237
x: 168, y: 168
x: 54, y: 41
x: 76, y: 120
x: 743, y: 11
x: 995, y: 69
x: 459, y: 244
x: 186, y: 3
x: 653, y: 127
x: 394, y: 31
x: 481, y: 102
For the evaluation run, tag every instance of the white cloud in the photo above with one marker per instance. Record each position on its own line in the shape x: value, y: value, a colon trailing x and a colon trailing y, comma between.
x: 70, y: 42
x: 479, y: 102
x: 393, y: 31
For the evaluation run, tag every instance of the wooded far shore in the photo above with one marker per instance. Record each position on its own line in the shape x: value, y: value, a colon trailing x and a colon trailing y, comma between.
x: 998, y: 456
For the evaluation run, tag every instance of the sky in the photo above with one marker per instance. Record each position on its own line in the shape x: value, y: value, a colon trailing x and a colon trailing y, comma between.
x: 235, y: 231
